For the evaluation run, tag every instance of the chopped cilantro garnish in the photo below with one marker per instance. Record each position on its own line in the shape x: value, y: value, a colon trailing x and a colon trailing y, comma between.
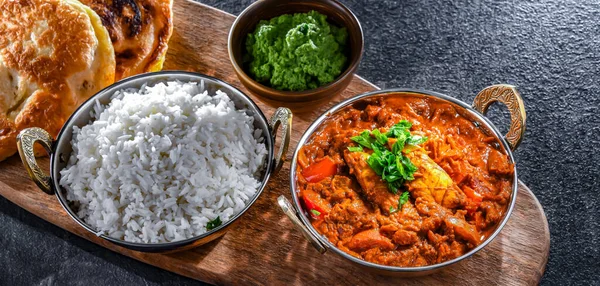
x: 416, y: 140
x: 393, y: 167
x: 400, y: 129
x: 355, y: 148
x: 214, y: 223
x: 380, y: 138
x: 403, y: 199
x: 364, y: 139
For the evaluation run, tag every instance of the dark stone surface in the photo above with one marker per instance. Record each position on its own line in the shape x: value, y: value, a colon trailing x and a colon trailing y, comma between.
x: 549, y: 49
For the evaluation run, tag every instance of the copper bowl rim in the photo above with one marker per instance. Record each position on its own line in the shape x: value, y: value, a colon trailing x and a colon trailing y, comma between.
x: 402, y: 92
x: 294, y: 96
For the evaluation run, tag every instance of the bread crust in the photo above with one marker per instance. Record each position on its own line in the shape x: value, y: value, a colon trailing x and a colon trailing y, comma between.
x: 52, y: 58
x: 139, y: 30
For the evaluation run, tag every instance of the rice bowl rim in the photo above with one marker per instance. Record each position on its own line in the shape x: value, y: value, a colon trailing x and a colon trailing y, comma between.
x: 150, y: 79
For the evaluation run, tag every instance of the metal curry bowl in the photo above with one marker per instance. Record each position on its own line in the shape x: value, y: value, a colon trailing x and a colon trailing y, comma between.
x: 502, y: 93
x: 60, y: 149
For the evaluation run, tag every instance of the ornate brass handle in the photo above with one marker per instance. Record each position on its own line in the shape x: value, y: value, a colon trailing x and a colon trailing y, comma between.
x: 25, y: 142
x: 282, y: 117
x: 508, y: 95
x: 289, y: 210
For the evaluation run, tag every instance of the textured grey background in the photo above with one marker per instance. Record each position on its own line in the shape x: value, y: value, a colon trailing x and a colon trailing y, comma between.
x: 549, y: 49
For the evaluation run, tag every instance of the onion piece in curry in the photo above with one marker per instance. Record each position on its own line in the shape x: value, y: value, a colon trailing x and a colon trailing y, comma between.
x: 460, y: 191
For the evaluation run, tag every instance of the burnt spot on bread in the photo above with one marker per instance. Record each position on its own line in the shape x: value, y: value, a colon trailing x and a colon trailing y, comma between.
x: 85, y: 85
x: 139, y: 31
x: 130, y: 14
x: 123, y: 13
x: 148, y: 10
x: 126, y: 54
x: 108, y: 20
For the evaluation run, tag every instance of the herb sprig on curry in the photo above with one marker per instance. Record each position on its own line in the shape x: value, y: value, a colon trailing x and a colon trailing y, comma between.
x: 403, y: 181
x: 391, y: 165
x: 389, y: 162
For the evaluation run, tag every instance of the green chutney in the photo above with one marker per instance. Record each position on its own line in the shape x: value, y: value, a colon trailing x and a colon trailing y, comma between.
x: 296, y: 52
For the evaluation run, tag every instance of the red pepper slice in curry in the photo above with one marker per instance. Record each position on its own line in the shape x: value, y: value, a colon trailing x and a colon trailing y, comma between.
x: 320, y: 170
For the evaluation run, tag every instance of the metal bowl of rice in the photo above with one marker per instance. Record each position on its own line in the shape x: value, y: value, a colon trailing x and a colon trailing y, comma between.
x: 162, y: 161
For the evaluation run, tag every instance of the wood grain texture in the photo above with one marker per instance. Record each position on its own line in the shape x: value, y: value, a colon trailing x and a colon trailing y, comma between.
x: 264, y: 248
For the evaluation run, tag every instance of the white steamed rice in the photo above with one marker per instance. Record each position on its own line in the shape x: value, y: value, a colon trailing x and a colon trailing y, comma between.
x: 157, y: 164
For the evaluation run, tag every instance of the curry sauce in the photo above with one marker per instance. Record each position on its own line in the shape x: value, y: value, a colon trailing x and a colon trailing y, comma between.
x: 460, y: 191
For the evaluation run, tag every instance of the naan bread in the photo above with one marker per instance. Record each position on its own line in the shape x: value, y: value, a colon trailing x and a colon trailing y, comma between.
x: 54, y: 54
x: 139, y: 31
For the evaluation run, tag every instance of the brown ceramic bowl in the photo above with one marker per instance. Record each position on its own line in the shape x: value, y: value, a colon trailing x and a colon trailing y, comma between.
x: 336, y: 13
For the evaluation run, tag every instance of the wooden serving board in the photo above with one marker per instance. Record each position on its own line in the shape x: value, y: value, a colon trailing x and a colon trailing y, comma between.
x: 264, y: 248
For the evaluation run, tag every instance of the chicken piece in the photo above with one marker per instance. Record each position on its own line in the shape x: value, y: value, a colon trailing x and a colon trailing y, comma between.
x: 341, y: 187
x: 406, y: 218
x: 405, y: 237
x: 499, y: 163
x: 368, y: 239
x: 346, y: 218
x: 464, y: 230
x: 431, y: 181
x: 461, y: 228
x: 493, y: 213
x: 373, y: 187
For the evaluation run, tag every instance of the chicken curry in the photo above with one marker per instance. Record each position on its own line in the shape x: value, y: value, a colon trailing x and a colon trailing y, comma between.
x: 404, y: 181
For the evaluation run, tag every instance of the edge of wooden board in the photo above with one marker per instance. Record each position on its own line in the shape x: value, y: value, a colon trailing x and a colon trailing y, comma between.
x: 546, y: 225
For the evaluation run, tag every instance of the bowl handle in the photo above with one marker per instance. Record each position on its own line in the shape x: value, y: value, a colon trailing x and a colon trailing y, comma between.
x: 282, y: 117
x: 25, y: 142
x: 508, y: 95
x: 289, y: 210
